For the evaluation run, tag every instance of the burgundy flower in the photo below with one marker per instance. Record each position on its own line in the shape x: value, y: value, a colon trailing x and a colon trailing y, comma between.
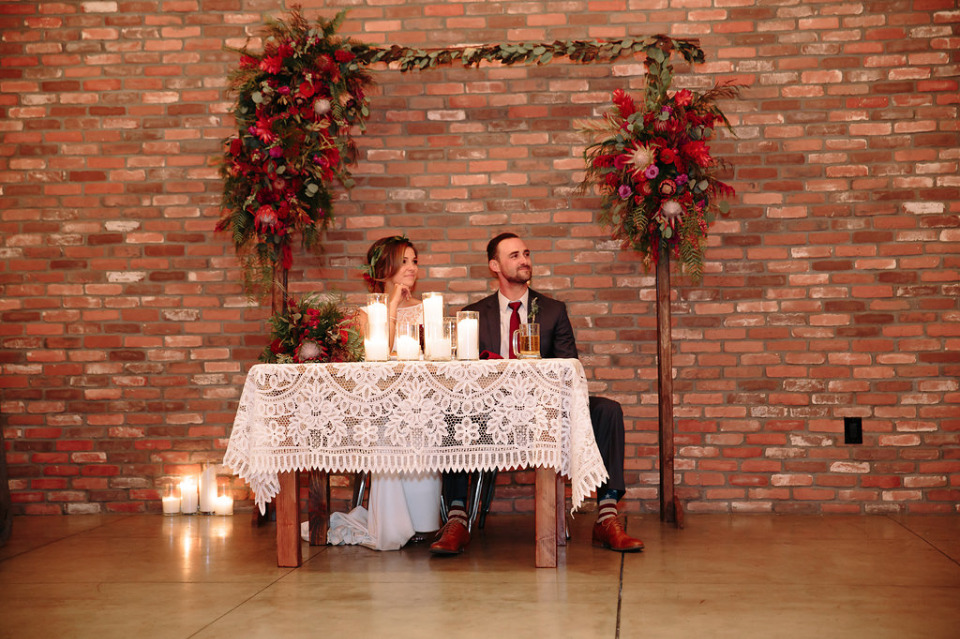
x: 683, y: 98
x: 668, y: 188
x: 698, y: 152
x: 624, y: 103
x: 265, y: 218
x: 271, y: 64
x: 343, y: 56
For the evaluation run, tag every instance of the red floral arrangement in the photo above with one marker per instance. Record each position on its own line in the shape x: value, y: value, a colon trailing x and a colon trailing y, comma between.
x: 653, y: 166
x: 313, y: 329
x: 298, y: 100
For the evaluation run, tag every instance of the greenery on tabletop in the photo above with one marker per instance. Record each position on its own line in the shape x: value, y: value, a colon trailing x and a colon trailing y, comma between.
x: 298, y: 100
x: 651, y: 163
x: 313, y: 329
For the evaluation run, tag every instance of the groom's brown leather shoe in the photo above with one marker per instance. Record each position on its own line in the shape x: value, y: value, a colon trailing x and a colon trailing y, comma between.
x: 610, y: 533
x: 452, y: 538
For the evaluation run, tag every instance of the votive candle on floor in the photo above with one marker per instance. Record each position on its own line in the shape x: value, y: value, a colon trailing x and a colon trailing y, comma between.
x: 223, y: 505
x: 171, y: 505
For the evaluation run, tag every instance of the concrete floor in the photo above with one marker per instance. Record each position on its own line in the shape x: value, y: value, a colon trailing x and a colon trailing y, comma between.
x: 737, y: 576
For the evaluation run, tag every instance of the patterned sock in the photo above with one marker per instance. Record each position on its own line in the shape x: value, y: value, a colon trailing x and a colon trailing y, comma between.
x: 608, y: 509
x: 458, y: 510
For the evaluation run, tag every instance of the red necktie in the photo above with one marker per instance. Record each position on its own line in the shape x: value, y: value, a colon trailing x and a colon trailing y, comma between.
x: 514, y: 325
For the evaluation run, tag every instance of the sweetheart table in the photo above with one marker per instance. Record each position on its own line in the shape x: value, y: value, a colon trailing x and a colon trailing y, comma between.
x: 414, y: 416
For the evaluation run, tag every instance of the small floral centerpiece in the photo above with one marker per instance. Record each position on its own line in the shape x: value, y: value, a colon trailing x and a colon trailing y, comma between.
x: 656, y: 176
x: 313, y: 329
x: 298, y: 100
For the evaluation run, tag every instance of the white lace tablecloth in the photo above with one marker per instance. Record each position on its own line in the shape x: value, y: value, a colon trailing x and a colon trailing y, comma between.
x: 414, y: 416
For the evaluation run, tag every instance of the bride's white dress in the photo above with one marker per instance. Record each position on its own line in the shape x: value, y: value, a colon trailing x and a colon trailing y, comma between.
x: 400, y: 504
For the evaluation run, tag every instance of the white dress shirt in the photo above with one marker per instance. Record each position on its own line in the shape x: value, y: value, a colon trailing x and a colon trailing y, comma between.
x: 505, y: 313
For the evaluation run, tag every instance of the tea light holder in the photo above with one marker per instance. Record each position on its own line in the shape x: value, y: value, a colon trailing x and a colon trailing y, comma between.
x: 170, y: 500
x: 407, y: 341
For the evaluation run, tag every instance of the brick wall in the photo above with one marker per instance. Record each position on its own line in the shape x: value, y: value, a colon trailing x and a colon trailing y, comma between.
x: 831, y: 289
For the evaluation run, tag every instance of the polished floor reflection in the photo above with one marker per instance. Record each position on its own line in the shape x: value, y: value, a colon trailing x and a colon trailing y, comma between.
x: 722, y: 576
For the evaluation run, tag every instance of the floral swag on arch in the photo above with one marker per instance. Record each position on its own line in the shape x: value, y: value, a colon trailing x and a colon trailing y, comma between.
x: 301, y: 98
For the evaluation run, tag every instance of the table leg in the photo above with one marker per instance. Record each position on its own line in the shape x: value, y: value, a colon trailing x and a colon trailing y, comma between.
x: 546, y: 518
x: 288, y: 521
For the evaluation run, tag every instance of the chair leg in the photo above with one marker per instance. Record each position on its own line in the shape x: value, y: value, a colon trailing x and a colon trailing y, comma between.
x: 475, y: 502
x: 488, y: 494
x: 359, y: 488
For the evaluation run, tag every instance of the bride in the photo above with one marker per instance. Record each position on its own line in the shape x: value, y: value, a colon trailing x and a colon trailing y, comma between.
x: 400, y: 504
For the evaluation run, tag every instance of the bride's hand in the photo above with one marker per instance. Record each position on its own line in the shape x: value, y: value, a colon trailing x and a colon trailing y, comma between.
x: 400, y: 294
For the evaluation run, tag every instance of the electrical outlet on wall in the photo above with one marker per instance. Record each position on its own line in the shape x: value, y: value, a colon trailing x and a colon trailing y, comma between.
x: 852, y: 430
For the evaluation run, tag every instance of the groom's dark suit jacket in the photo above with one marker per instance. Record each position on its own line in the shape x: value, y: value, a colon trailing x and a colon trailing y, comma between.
x: 556, y: 333
x: 557, y: 341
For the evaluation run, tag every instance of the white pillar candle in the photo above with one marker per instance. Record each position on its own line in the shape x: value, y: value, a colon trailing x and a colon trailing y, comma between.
x: 407, y: 347
x: 171, y: 505
x: 468, y: 337
x: 433, y: 346
x: 376, y: 345
x: 208, y: 488
x: 189, y: 499
x: 223, y: 505
x: 432, y: 309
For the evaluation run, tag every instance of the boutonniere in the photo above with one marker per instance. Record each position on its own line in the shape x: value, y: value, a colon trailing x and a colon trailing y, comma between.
x: 534, y: 309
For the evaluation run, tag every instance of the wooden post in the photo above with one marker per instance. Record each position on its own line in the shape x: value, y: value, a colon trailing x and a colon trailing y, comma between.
x: 318, y: 507
x: 278, y: 302
x: 668, y: 503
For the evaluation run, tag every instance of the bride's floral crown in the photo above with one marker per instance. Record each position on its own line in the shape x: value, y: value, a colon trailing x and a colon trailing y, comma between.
x: 369, y: 269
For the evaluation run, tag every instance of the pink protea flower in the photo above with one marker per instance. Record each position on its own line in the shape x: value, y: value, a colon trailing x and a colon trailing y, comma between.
x: 640, y: 157
x: 671, y: 210
x: 308, y: 351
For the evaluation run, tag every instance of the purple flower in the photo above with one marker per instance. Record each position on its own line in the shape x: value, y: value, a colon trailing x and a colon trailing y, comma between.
x: 681, y: 179
x: 651, y: 172
x: 276, y: 151
x: 624, y: 192
x: 284, y: 90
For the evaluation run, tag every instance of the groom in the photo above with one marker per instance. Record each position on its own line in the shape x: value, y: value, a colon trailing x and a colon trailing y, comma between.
x: 500, y: 315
